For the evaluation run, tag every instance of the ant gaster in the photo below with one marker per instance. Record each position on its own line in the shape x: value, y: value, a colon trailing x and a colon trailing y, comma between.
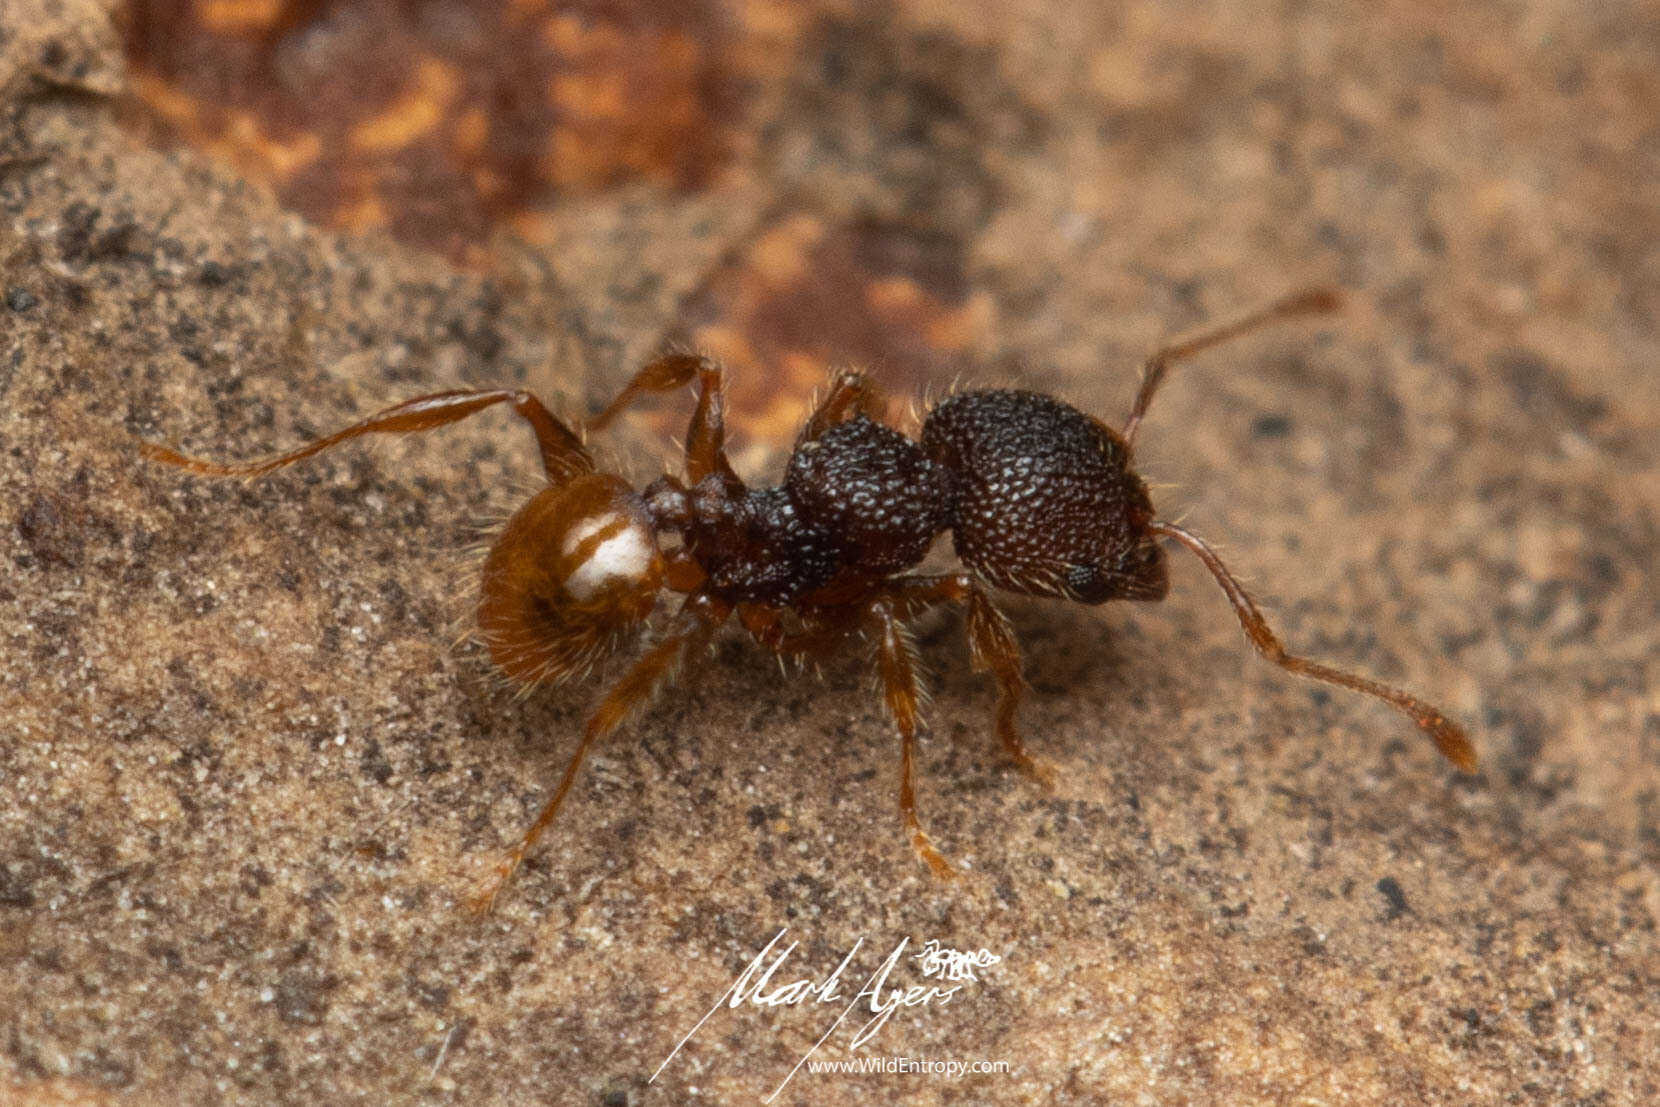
x: 1040, y: 499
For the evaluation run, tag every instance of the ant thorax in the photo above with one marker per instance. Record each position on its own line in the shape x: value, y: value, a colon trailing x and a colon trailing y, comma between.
x: 858, y: 502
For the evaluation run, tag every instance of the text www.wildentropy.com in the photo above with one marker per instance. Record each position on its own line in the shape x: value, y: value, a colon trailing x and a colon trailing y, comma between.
x: 950, y: 1069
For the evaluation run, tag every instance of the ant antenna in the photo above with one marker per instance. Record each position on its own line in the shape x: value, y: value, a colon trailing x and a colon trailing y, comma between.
x: 1448, y: 736
x: 1314, y: 301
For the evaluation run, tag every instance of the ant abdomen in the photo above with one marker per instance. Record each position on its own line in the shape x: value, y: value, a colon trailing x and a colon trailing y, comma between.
x: 572, y: 574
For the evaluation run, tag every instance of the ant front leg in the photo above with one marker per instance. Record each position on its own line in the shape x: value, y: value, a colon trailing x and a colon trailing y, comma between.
x: 706, y: 437
x: 902, y: 693
x: 693, y: 626
x: 992, y: 648
x: 563, y: 455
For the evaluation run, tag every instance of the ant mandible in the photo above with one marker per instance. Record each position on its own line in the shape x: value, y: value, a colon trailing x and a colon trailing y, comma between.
x: 1040, y: 499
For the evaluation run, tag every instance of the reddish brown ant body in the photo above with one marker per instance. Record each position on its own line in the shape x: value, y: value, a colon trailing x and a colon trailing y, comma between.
x: 1040, y: 499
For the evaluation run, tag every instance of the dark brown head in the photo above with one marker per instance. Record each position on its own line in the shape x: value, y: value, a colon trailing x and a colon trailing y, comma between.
x: 1046, y: 503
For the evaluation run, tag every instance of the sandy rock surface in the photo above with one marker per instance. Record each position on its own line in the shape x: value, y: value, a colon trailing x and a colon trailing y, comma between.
x: 248, y: 784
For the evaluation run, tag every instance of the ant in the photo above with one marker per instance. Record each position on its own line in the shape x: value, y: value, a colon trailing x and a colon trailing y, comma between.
x: 1040, y: 499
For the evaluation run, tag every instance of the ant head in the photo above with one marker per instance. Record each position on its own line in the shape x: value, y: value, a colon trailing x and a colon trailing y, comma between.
x: 1088, y: 554
x: 1045, y: 503
x: 1131, y: 565
x: 571, y: 575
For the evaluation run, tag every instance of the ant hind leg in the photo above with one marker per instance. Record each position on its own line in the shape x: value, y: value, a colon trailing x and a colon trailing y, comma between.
x: 695, y: 623
x: 563, y: 455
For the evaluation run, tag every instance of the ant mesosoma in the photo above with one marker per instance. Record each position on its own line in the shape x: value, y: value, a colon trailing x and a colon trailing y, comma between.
x: 1039, y: 498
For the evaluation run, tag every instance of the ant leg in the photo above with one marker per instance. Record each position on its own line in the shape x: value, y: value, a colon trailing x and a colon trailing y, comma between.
x: 903, y: 694
x: 1317, y: 301
x: 706, y: 437
x: 563, y: 455
x: 682, y: 573
x: 693, y: 626
x: 765, y: 624
x: 992, y: 648
x: 815, y: 642
x: 665, y: 374
x: 1447, y: 735
x: 850, y: 392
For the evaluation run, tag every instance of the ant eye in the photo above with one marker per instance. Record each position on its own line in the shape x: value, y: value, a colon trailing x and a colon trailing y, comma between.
x: 1088, y: 584
x: 1139, y: 573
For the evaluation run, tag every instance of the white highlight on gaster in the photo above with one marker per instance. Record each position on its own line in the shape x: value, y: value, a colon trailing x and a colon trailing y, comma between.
x: 625, y: 555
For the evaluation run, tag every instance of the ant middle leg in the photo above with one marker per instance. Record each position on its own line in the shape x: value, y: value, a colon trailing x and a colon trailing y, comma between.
x: 706, y: 437
x: 850, y: 392
x: 694, y: 624
x: 992, y: 648
x: 563, y: 455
